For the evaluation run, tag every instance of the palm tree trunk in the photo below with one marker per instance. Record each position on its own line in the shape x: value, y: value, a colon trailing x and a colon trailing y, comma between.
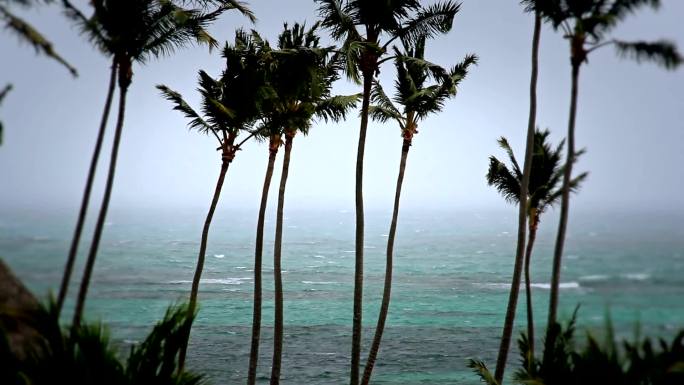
x: 528, y: 285
x: 124, y: 82
x: 565, y: 199
x: 277, y: 271
x: 256, y: 316
x: 358, y: 263
x: 387, y: 290
x: 225, y: 162
x: 73, y: 250
x: 522, y: 212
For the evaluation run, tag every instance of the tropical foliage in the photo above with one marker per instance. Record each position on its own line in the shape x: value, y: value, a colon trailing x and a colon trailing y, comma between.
x: 27, y: 33
x: 543, y: 192
x: 587, y: 26
x: 366, y: 30
x: 421, y: 89
x: 86, y: 355
x: 566, y: 360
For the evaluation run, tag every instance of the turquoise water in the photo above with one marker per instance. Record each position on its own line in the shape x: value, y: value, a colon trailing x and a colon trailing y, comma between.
x: 452, y: 274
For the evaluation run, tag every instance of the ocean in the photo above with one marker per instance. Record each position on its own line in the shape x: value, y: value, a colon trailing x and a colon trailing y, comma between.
x: 451, y: 281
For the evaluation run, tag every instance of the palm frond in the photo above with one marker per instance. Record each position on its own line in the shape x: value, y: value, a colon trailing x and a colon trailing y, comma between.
x: 335, y: 108
x: 663, y: 52
x: 482, y: 371
x: 382, y: 109
x: 28, y: 34
x: 499, y: 176
x: 181, y: 105
x: 334, y: 18
x: 429, y: 21
x: 503, y: 143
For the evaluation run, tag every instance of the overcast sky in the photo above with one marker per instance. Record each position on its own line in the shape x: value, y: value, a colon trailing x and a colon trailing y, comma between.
x: 631, y: 120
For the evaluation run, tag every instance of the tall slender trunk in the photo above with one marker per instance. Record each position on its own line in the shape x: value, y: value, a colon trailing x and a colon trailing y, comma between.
x: 227, y: 158
x: 277, y: 271
x: 522, y: 212
x: 124, y: 82
x: 258, y: 252
x: 358, y: 263
x: 565, y: 199
x: 534, y: 220
x: 73, y: 249
x: 387, y: 290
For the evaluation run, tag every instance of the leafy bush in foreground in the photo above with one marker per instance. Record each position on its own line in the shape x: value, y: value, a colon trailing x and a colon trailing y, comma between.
x: 85, y: 355
x: 643, y: 362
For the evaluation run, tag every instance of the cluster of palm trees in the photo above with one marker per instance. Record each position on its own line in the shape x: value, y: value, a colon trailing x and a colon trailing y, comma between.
x: 275, y: 93
x: 586, y: 24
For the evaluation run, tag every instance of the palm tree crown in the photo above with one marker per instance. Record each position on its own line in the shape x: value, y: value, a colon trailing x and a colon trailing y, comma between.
x: 361, y: 24
x: 416, y: 98
x: 137, y: 30
x: 545, y: 188
x: 587, y: 25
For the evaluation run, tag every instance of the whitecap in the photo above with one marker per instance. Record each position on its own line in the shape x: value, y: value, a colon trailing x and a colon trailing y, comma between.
x: 384, y: 235
x: 215, y: 281
x: 369, y: 247
x: 562, y: 285
x: 240, y: 267
x: 320, y: 282
x: 637, y: 276
x: 219, y: 255
x: 319, y: 256
x: 348, y: 251
x: 594, y: 277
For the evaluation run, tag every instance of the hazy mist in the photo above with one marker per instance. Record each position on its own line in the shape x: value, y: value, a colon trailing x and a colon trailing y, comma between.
x: 630, y: 119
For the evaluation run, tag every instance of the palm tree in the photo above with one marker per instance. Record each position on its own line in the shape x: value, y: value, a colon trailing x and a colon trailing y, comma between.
x: 302, y: 84
x: 3, y: 94
x: 229, y: 106
x: 522, y: 210
x: 27, y: 33
x: 133, y: 31
x: 544, y: 192
x: 366, y: 30
x: 417, y: 99
x: 586, y: 25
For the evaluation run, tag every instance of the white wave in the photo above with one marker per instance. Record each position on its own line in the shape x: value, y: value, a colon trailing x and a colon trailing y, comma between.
x: 240, y: 267
x: 637, y: 276
x: 369, y: 247
x: 348, y: 251
x: 215, y: 281
x: 320, y: 282
x: 594, y: 277
x: 319, y: 256
x: 219, y: 256
x: 562, y: 285
x: 384, y: 235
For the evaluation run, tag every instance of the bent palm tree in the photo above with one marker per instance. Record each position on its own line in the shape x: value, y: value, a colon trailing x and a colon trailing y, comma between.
x: 3, y: 94
x: 418, y: 100
x: 522, y: 210
x: 586, y: 25
x: 544, y: 192
x: 302, y: 83
x: 229, y: 106
x: 133, y: 31
x: 367, y: 29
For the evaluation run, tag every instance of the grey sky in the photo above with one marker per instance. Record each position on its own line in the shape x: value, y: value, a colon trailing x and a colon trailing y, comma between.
x: 631, y: 120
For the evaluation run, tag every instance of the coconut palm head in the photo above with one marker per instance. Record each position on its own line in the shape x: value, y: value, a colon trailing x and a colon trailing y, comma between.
x: 367, y: 27
x: 588, y: 23
x: 545, y: 179
x: 421, y: 88
x: 144, y: 29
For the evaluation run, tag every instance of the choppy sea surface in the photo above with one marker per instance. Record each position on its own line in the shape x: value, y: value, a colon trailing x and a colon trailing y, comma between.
x: 451, y: 282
